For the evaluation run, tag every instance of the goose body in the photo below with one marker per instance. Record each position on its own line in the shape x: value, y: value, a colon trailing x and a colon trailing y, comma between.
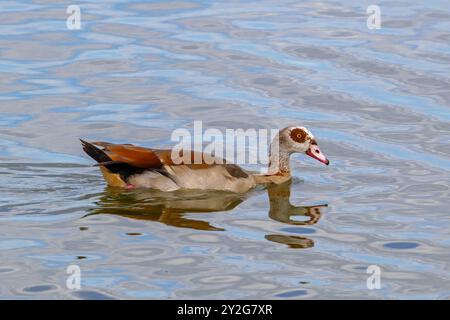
x: 129, y: 166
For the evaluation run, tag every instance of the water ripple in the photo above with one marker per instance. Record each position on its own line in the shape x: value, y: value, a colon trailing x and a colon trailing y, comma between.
x: 377, y: 100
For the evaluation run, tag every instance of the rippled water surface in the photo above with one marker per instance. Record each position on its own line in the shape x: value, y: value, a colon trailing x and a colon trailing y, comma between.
x: 377, y: 100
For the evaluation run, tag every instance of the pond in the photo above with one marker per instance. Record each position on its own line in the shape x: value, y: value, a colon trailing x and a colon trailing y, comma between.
x: 377, y: 100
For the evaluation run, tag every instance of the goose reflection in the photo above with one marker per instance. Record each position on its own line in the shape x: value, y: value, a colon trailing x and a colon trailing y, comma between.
x: 171, y: 209
x: 283, y: 211
x: 167, y: 208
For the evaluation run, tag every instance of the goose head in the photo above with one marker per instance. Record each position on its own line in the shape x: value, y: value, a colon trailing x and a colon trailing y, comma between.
x: 296, y: 139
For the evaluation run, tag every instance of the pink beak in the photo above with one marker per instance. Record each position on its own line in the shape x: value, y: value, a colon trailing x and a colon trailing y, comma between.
x: 314, y: 152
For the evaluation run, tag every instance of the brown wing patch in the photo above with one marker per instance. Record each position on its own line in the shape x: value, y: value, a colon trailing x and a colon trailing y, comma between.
x: 298, y: 135
x: 136, y: 156
x: 235, y: 171
x: 146, y: 158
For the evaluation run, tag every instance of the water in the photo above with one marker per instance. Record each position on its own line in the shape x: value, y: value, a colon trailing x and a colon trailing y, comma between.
x: 377, y: 100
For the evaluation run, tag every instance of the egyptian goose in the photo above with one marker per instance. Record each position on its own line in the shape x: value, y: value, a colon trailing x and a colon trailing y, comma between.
x: 129, y: 166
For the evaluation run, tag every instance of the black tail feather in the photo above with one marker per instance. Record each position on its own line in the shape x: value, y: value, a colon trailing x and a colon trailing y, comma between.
x: 124, y: 169
x: 95, y: 153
